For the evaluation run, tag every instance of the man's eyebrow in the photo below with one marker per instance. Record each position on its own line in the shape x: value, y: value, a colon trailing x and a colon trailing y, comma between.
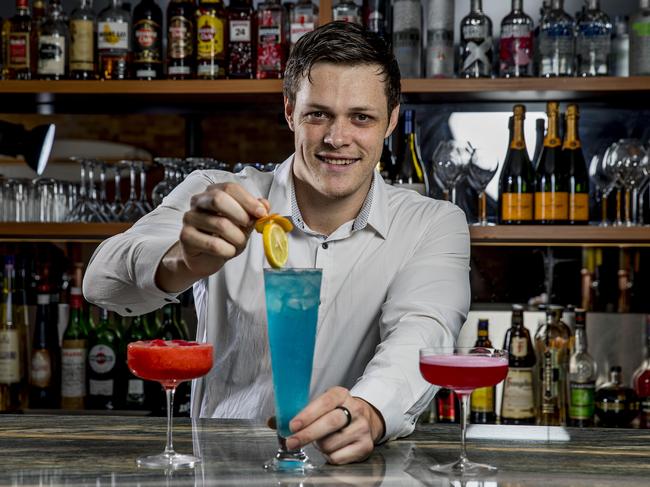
x: 323, y: 108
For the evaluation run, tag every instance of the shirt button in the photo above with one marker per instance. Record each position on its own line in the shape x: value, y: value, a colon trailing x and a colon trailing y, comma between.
x: 325, y: 245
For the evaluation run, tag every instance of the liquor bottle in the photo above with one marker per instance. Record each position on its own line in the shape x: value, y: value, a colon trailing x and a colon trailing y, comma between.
x: 447, y: 406
x: 543, y: 12
x: 114, y: 42
x: 482, y: 400
x: 552, y: 345
x: 102, y: 364
x: 407, y: 37
x: 180, y: 39
x: 171, y: 330
x: 74, y: 356
x: 13, y: 346
x: 640, y: 40
x: 574, y: 161
x: 582, y: 377
x: 147, y: 40
x: 556, y: 37
x: 516, y: 43
x: 517, y: 180
x: 303, y: 19
x: 241, y: 62
x: 616, y: 405
x: 412, y: 173
x: 376, y: 17
x: 53, y: 44
x: 271, y: 52
x: 440, y: 39
x: 38, y: 16
x: 44, y: 381
x: 82, y: 41
x: 641, y: 381
x: 211, y: 40
x: 593, y: 41
x: 476, y: 43
x: 136, y: 388
x: 551, y: 192
x: 620, y: 58
x: 346, y: 11
x: 18, y: 50
x: 518, y: 396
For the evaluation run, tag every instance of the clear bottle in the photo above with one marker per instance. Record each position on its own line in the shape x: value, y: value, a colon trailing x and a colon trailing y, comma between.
x: 407, y: 37
x: 19, y: 39
x: 346, y: 11
x: 412, y: 173
x: 476, y: 48
x: 114, y: 42
x: 211, y: 40
x: 376, y: 17
x: 620, y: 58
x: 241, y: 62
x: 556, y: 42
x: 271, y: 47
x: 641, y: 382
x: 147, y: 40
x: 439, y: 56
x: 83, y: 24
x: 640, y: 40
x: 593, y: 41
x: 304, y: 19
x: 582, y: 377
x: 74, y: 355
x: 516, y: 43
x: 53, y: 44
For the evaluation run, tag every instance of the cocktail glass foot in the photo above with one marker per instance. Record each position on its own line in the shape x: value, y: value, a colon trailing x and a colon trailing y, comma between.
x: 464, y: 468
x: 289, y: 460
x: 168, y: 460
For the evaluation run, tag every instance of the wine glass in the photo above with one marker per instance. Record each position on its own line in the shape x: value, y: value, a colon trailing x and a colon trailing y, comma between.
x: 603, y: 180
x: 462, y: 370
x: 630, y: 159
x: 164, y: 187
x: 450, y: 161
x: 292, y: 300
x: 169, y: 363
x: 481, y: 171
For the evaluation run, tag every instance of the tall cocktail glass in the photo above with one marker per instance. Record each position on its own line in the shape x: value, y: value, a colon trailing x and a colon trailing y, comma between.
x: 463, y: 370
x: 170, y: 363
x: 292, y: 300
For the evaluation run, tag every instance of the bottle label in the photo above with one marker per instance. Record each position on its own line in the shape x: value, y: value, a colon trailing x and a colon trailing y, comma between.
x: 482, y: 400
x: 516, y: 46
x: 518, y: 394
x: 581, y: 395
x: 136, y: 387
x: 209, y: 35
x: 516, y: 206
x: 556, y: 50
x: 269, y: 48
x: 113, y: 36
x: 475, y: 32
x: 180, y: 38
x: 51, y: 55
x: 82, y: 45
x: 73, y: 368
x: 147, y: 42
x: 299, y: 29
x: 644, y: 405
x: 179, y: 70
x: 550, y: 380
x: 9, y: 357
x: 519, y: 347
x: 18, y: 50
x: 101, y: 359
x: 240, y: 31
x: 100, y: 387
x: 579, y: 207
x: 611, y: 407
x: 552, y: 206
x: 41, y: 368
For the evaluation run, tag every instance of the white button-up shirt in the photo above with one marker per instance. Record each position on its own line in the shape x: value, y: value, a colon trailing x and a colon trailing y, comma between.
x: 394, y: 280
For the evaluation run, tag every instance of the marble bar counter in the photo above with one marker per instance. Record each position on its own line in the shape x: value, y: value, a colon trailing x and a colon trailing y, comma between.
x: 101, y: 450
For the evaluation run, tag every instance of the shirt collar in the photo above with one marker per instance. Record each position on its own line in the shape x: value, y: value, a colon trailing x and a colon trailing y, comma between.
x: 374, y: 211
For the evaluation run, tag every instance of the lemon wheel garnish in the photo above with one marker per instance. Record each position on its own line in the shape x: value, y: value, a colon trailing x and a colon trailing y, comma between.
x: 274, y: 217
x: 276, y: 244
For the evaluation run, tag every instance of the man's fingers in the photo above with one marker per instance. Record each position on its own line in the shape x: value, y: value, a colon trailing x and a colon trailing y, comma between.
x: 196, y: 242
x: 326, y: 425
x: 217, y: 226
x: 223, y: 204
x: 342, y: 438
x: 354, y: 452
x: 320, y: 406
x: 251, y: 206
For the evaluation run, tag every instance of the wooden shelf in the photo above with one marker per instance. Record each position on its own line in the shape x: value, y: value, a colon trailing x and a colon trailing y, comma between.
x: 59, y: 232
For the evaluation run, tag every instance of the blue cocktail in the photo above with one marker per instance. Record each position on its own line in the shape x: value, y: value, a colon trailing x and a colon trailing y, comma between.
x: 292, y: 300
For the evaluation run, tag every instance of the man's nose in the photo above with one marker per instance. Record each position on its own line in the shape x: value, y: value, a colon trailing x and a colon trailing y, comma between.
x: 337, y: 134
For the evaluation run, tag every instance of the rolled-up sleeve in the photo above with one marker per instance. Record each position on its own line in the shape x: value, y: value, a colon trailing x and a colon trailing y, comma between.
x: 426, y: 305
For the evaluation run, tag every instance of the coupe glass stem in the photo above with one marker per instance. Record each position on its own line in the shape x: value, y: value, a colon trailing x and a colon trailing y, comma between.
x: 169, y: 392
x: 464, y: 407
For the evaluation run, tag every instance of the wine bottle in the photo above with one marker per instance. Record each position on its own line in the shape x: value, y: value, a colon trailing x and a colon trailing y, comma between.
x: 412, y: 173
x: 74, y: 354
x: 482, y: 399
x: 516, y: 184
x: 577, y: 177
x: 551, y: 195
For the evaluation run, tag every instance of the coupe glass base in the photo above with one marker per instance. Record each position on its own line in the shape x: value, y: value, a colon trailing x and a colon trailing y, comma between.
x: 464, y: 468
x: 168, y: 461
x: 290, y: 461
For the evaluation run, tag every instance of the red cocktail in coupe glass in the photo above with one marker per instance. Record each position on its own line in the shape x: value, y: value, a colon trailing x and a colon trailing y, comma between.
x: 170, y: 363
x: 463, y: 370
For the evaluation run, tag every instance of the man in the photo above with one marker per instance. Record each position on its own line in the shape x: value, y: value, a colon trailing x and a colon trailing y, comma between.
x: 395, y: 264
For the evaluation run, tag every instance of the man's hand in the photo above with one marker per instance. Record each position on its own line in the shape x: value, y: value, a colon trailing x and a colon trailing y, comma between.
x: 321, y: 422
x: 215, y: 229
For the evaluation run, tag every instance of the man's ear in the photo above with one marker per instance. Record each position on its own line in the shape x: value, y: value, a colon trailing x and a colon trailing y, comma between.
x: 288, y: 113
x: 392, y: 122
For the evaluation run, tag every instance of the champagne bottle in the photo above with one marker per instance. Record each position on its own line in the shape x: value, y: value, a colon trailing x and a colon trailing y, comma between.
x: 539, y: 140
x: 516, y: 184
x: 551, y: 195
x: 412, y: 173
x: 482, y: 399
x: 574, y: 161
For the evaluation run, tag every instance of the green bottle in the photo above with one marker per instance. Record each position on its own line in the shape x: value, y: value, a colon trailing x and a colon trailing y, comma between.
x: 103, y: 367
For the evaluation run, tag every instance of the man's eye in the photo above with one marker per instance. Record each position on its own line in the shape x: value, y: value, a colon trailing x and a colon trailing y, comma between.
x: 362, y: 117
x: 317, y: 115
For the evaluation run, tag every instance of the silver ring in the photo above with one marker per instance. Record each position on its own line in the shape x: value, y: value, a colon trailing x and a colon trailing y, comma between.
x: 348, y: 416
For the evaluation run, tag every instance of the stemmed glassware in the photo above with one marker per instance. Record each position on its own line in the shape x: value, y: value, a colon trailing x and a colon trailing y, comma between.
x: 481, y: 171
x: 603, y: 180
x: 133, y: 208
x: 450, y: 161
x: 86, y: 208
x: 106, y: 206
x: 463, y: 370
x: 627, y: 160
x: 164, y: 187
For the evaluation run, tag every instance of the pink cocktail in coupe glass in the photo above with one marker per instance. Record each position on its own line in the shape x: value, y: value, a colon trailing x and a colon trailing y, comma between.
x: 170, y: 363
x: 463, y: 370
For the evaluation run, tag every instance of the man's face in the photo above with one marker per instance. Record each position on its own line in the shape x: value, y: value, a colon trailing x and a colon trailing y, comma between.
x: 340, y: 119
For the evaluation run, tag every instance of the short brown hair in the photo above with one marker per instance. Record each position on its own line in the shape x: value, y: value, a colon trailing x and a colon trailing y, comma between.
x: 344, y: 43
